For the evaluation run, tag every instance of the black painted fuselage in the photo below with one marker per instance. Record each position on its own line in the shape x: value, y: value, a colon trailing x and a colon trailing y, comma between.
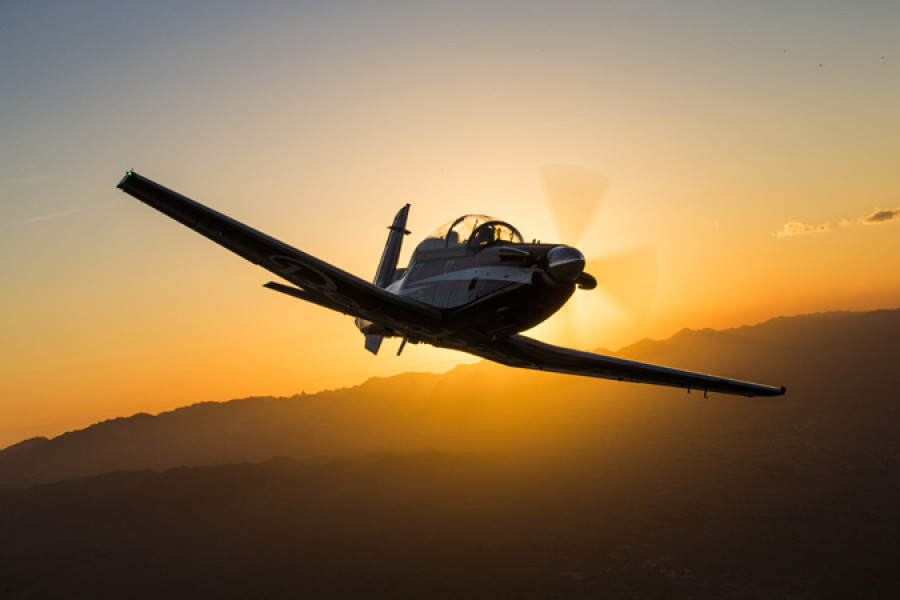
x: 494, y: 290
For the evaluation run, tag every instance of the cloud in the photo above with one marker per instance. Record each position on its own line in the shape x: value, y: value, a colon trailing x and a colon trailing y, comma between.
x: 51, y: 216
x: 879, y: 216
x: 35, y: 179
x: 882, y: 216
x: 795, y: 228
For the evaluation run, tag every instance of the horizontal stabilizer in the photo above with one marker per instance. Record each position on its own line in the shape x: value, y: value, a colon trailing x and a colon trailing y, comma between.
x: 373, y: 342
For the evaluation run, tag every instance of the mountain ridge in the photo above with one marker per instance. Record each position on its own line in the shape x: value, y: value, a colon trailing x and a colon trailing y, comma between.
x: 489, y: 482
x: 464, y: 407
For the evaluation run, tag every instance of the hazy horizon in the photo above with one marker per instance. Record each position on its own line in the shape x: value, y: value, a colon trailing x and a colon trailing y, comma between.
x: 9, y: 437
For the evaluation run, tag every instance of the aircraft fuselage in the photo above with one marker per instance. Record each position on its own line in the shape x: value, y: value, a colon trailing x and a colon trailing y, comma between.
x: 496, y: 290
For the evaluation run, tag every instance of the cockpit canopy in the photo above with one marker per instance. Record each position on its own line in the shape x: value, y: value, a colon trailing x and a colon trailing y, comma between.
x: 473, y: 230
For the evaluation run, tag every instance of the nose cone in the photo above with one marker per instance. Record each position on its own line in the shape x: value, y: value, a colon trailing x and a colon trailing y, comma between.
x: 565, y: 264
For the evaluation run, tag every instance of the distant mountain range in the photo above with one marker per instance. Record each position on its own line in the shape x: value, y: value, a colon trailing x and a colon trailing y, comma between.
x: 840, y: 360
x: 490, y: 482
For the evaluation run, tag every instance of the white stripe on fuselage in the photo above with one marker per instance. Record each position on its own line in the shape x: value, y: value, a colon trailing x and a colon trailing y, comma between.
x: 505, y: 274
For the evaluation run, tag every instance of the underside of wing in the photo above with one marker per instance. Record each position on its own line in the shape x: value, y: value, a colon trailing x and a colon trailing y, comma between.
x: 317, y: 281
x: 521, y: 351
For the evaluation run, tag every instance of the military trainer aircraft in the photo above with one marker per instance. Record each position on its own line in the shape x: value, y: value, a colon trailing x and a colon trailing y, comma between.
x: 473, y: 285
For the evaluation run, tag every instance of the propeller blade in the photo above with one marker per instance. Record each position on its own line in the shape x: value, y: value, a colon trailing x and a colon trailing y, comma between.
x: 629, y: 277
x: 575, y: 194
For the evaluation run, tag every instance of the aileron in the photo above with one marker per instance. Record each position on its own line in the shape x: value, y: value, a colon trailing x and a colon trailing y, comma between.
x: 525, y: 352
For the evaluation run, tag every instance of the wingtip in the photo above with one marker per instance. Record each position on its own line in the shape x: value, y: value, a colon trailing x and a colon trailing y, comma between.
x: 777, y: 391
x: 128, y: 175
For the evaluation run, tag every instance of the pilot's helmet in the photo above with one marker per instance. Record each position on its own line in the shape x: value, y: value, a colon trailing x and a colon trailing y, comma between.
x: 484, y: 235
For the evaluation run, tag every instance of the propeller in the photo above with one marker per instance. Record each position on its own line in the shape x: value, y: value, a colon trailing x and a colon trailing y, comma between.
x: 628, y: 277
x: 575, y: 193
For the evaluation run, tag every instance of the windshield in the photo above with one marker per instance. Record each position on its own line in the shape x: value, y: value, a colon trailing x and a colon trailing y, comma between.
x: 475, y: 230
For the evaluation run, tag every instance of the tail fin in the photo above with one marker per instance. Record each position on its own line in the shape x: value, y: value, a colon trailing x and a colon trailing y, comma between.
x: 384, y: 276
x: 388, y: 265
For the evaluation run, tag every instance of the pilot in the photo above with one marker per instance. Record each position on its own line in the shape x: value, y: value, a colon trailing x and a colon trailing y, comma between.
x: 483, y: 235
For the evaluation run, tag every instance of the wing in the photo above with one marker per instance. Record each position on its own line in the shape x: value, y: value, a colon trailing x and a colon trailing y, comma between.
x: 520, y: 351
x: 318, y: 281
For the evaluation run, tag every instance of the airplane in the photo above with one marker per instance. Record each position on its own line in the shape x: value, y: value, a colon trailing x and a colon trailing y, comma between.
x: 473, y: 286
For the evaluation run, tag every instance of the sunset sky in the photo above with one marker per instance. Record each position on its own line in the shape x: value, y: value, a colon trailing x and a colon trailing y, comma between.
x: 753, y: 146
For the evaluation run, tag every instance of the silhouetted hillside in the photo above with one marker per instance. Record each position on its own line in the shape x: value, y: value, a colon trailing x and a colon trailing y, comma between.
x: 838, y: 367
x: 670, y: 521
x: 490, y: 482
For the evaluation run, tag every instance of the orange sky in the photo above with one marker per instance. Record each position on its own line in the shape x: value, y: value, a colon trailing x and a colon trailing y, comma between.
x: 717, y: 127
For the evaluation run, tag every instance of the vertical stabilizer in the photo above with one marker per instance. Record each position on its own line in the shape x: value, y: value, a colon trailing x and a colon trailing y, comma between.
x: 388, y: 265
x: 384, y: 276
